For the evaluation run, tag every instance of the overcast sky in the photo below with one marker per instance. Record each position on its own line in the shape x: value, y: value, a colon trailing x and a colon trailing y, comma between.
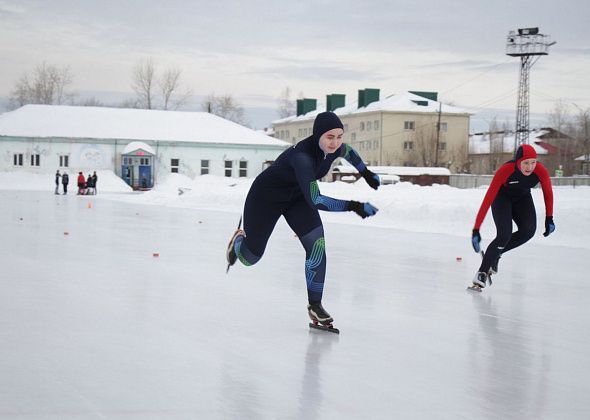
x: 254, y: 49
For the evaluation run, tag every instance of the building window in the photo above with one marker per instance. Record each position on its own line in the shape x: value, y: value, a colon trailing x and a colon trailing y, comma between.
x: 376, y: 124
x: 443, y: 126
x: 288, y: 134
x: 345, y: 127
x: 64, y: 161
x: 442, y: 146
x: 408, y: 145
x: 362, y: 126
x: 174, y: 164
x: 352, y: 136
x: 18, y: 159
x: 35, y: 160
x: 204, y: 166
x: 409, y: 125
x: 375, y: 144
x: 369, y: 125
x: 228, y: 168
x: 144, y: 161
x: 300, y: 132
x: 243, y: 169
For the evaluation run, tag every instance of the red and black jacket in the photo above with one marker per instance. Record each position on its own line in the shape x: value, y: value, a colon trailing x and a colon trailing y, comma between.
x: 510, y: 181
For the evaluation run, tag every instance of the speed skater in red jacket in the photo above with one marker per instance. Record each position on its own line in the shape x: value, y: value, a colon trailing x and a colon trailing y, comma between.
x: 509, y: 195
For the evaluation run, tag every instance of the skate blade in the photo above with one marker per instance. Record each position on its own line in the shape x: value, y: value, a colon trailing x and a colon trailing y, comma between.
x: 474, y: 288
x: 329, y: 328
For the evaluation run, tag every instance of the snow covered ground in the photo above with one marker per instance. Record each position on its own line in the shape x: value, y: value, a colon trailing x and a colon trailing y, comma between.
x: 117, y: 306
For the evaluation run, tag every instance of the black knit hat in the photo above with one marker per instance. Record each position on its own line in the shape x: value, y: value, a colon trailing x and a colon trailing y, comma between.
x: 326, y: 121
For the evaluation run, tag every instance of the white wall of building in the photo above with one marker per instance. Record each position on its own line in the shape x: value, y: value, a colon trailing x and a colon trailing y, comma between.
x: 88, y: 155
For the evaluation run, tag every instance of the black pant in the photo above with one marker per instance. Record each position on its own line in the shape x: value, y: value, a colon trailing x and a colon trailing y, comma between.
x: 65, y: 188
x: 505, y: 209
x: 261, y: 213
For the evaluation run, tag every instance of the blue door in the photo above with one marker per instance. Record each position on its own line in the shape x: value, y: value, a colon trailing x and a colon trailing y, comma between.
x: 145, y: 176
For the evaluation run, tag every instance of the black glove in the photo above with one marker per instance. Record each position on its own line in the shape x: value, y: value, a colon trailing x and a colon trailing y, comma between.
x: 475, y: 240
x: 371, y: 178
x: 362, y: 209
x: 549, y: 226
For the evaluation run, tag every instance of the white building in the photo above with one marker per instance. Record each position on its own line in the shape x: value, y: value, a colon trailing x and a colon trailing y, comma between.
x: 135, y: 144
x: 407, y: 129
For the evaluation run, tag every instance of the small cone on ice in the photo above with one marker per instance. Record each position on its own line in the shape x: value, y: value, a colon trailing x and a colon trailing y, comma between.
x: 66, y: 233
x: 156, y: 254
x: 89, y: 204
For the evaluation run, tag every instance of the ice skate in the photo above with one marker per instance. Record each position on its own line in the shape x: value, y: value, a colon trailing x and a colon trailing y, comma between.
x: 231, y: 253
x: 479, y: 282
x: 318, y: 314
x: 320, y: 319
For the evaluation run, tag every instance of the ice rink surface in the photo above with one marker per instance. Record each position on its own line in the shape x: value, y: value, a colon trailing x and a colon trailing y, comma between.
x: 94, y: 326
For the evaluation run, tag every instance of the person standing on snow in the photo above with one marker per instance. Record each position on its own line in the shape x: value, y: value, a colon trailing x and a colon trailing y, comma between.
x: 57, y: 177
x: 81, y: 183
x: 94, y: 181
x: 510, y: 197
x: 65, y: 179
x: 289, y: 188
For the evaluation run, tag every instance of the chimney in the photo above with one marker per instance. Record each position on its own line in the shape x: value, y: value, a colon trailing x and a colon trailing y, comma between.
x: 306, y: 105
x: 367, y: 96
x: 433, y: 96
x: 334, y: 101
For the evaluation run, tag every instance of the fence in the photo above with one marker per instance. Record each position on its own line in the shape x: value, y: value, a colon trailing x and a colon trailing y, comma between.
x: 475, y: 181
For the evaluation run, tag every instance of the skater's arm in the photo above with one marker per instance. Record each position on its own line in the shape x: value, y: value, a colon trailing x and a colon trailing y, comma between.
x: 497, y: 181
x: 351, y: 155
x: 545, y: 180
x: 309, y: 187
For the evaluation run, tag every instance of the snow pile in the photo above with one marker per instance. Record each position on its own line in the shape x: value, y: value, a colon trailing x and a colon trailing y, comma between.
x: 26, y: 181
x: 434, y: 209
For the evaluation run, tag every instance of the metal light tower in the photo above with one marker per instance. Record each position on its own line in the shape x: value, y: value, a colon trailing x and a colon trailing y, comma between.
x: 527, y: 44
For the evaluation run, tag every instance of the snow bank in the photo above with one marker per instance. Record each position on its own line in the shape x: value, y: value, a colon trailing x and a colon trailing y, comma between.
x: 434, y: 209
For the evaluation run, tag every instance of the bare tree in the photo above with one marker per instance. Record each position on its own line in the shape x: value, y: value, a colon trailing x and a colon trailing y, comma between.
x: 286, y: 106
x: 144, y: 83
x: 560, y: 120
x: 224, y: 107
x: 169, y: 85
x: 496, y: 137
x: 47, y: 85
x: 91, y: 102
x: 582, y: 120
x: 425, y: 141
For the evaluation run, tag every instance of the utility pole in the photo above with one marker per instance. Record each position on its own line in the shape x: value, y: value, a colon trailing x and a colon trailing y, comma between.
x: 526, y: 44
x: 437, y: 134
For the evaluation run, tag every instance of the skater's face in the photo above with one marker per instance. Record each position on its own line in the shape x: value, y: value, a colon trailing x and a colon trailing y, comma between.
x: 331, y: 140
x: 527, y: 166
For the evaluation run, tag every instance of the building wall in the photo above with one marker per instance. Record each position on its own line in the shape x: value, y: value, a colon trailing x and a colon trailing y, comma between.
x: 89, y: 154
x: 381, y: 139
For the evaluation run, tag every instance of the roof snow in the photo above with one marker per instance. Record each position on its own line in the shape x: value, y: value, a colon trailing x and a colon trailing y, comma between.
x: 137, y: 145
x: 128, y: 124
x: 480, y: 143
x: 403, y: 102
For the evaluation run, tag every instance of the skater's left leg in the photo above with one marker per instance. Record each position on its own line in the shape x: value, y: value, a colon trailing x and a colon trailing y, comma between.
x: 523, y: 213
x: 306, y: 223
x: 502, y: 213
